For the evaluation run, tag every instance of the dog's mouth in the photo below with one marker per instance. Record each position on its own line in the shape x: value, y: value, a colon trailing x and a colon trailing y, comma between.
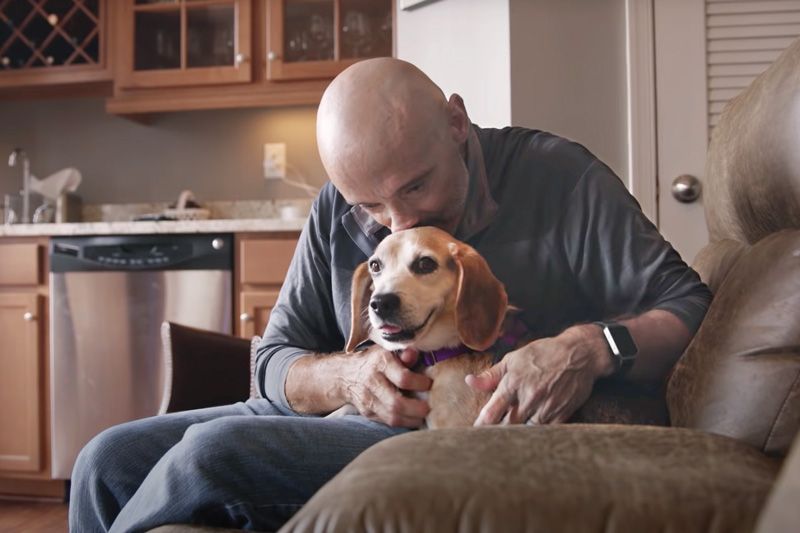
x: 395, y: 333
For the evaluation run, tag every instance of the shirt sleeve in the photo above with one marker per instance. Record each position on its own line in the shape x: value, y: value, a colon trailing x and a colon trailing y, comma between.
x: 303, y: 319
x: 622, y: 263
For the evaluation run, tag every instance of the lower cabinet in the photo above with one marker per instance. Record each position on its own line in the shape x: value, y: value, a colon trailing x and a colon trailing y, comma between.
x: 255, y: 307
x: 262, y: 261
x: 21, y: 395
x: 24, y: 370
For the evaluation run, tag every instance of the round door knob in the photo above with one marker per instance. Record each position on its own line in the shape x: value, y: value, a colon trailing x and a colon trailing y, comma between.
x: 218, y: 244
x: 245, y: 317
x: 272, y: 56
x: 28, y: 316
x: 239, y: 59
x: 686, y: 188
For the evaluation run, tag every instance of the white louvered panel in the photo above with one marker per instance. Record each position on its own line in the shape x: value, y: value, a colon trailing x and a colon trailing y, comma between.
x: 730, y: 82
x: 753, y: 19
x: 742, y: 57
x: 767, y: 43
x: 742, y: 32
x: 743, y: 37
x: 753, y: 6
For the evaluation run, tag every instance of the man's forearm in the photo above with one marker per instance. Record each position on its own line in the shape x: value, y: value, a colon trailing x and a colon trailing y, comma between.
x: 660, y: 336
x: 310, y: 386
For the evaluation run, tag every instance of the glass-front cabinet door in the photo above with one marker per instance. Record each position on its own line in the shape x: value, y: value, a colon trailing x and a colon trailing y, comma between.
x: 184, y: 42
x: 311, y: 39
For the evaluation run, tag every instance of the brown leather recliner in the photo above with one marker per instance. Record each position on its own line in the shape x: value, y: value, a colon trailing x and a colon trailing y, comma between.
x: 733, y: 398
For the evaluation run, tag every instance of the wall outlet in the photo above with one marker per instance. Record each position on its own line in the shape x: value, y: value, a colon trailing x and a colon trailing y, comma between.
x: 275, y: 160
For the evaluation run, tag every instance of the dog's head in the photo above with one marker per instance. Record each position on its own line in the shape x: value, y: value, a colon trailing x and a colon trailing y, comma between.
x: 424, y: 289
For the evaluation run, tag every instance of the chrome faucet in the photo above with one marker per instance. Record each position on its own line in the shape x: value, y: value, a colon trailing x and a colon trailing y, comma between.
x: 13, y: 161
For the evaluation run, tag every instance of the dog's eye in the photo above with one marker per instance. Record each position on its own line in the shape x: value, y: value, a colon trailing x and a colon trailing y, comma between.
x: 374, y: 266
x: 424, y: 265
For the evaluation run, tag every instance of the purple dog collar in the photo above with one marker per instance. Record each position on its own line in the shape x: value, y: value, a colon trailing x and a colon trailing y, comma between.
x: 505, y: 343
x: 437, y: 356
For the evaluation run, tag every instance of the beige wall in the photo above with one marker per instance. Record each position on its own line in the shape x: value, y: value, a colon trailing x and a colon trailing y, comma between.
x: 557, y: 65
x: 217, y: 154
x: 463, y: 45
x: 568, y: 72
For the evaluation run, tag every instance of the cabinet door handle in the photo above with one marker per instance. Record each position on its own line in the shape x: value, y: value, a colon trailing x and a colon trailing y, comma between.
x: 240, y: 59
x: 245, y: 317
x: 28, y: 316
x: 272, y: 56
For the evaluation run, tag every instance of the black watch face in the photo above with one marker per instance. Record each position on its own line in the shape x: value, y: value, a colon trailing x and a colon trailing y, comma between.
x: 623, y: 340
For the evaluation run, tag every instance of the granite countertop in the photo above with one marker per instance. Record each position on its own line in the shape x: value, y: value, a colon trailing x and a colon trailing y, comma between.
x: 226, y: 217
x: 148, y: 227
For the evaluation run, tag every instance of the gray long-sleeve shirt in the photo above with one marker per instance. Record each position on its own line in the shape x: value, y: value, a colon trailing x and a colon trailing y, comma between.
x: 555, y: 224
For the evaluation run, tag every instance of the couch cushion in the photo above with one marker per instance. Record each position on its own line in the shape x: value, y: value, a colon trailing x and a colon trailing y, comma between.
x: 781, y: 512
x: 571, y: 477
x: 740, y: 376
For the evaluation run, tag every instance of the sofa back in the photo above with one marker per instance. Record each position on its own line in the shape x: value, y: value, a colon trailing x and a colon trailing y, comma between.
x: 740, y: 376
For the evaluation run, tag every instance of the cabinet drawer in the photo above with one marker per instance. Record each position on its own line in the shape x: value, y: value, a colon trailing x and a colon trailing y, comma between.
x: 20, y: 264
x: 265, y: 260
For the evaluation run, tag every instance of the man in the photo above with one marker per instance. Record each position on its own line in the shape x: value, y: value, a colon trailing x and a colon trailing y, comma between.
x: 557, y: 227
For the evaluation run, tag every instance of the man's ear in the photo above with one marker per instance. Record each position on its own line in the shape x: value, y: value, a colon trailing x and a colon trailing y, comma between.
x: 361, y: 291
x: 458, y: 120
x: 481, y: 299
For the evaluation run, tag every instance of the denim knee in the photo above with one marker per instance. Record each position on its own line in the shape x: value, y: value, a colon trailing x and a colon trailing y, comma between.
x: 96, y: 495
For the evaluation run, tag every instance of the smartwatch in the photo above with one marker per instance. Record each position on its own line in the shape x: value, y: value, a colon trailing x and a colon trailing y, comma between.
x: 620, y: 344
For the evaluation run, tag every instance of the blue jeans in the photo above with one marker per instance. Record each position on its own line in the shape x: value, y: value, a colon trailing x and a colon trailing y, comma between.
x: 245, y: 465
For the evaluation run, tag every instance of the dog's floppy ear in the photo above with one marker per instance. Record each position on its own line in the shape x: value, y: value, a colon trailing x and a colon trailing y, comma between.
x: 481, y: 300
x: 361, y: 291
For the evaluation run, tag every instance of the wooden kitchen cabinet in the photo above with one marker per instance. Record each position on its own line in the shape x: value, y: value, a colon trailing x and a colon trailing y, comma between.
x: 165, y: 43
x: 262, y: 261
x: 45, y: 43
x: 24, y: 369
x: 255, y: 308
x: 20, y: 379
x: 251, y: 53
x: 319, y: 38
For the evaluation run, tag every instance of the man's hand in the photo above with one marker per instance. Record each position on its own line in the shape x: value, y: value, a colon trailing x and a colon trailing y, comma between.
x: 374, y: 380
x: 545, y: 381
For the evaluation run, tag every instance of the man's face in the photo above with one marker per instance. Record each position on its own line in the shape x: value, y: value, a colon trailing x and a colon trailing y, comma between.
x: 424, y: 183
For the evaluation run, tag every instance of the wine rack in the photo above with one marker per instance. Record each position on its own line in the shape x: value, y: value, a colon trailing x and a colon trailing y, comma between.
x: 41, y: 34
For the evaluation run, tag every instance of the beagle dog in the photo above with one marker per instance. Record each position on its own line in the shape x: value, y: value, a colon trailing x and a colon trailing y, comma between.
x: 423, y: 289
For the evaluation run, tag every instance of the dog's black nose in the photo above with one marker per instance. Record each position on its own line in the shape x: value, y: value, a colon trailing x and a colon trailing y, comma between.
x: 385, y: 305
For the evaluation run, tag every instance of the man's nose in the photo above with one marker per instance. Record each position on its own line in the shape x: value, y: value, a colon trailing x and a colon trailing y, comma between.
x: 385, y: 305
x: 401, y: 222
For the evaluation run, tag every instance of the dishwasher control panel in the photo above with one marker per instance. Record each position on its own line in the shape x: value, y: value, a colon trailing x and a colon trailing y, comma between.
x: 141, y: 252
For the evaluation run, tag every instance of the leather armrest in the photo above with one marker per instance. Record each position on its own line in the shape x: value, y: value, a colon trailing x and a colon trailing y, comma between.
x: 204, y: 368
x: 740, y: 376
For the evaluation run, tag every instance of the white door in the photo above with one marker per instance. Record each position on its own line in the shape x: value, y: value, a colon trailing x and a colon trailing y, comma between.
x: 706, y: 52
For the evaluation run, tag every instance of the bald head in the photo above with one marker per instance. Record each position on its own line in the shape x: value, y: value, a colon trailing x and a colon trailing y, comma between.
x: 392, y: 144
x: 375, y: 114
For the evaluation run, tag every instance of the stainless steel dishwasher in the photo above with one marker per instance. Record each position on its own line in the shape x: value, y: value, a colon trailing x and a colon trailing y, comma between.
x: 110, y: 295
